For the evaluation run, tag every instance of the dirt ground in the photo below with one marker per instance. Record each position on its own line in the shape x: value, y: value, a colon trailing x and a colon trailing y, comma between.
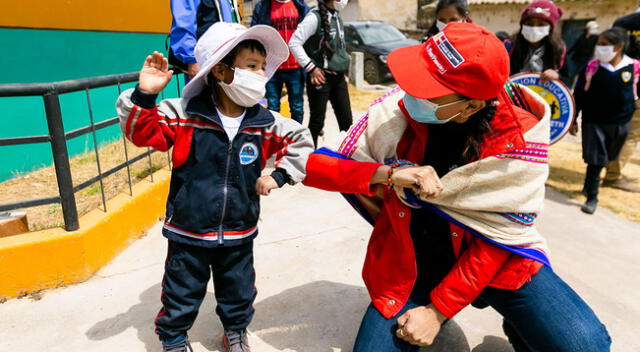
x: 42, y: 183
x: 567, y: 176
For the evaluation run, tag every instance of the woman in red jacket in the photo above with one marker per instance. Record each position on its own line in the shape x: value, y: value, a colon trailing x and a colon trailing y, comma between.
x: 425, y: 263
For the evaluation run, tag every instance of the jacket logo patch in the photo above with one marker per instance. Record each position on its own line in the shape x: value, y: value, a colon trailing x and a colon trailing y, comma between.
x: 248, y: 153
x: 626, y: 77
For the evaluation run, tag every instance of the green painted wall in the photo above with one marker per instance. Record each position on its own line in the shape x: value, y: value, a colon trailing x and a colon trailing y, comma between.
x: 31, y: 55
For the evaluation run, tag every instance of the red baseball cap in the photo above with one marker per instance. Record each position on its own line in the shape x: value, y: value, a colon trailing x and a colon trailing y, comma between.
x: 463, y: 58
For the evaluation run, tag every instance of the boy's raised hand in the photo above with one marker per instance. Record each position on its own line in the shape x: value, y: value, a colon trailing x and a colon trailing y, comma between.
x: 155, y: 74
x: 265, y: 184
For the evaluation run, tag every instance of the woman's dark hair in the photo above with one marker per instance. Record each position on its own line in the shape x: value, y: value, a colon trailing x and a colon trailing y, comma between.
x: 461, y: 6
x: 553, y: 51
x: 250, y: 44
x: 325, y: 41
x: 477, y: 128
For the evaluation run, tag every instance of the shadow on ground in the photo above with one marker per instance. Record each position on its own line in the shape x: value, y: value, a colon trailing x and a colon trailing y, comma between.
x: 320, y: 316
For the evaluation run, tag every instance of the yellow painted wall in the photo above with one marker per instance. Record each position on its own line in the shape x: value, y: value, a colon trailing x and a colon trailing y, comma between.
x: 51, y: 258
x: 151, y: 16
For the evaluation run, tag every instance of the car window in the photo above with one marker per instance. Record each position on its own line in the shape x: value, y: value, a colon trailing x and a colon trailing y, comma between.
x: 379, y: 34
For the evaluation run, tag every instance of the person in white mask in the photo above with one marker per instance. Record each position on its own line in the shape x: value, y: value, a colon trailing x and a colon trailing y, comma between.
x: 582, y: 51
x: 606, y: 93
x: 221, y: 137
x: 319, y: 47
x: 538, y: 47
x: 448, y: 11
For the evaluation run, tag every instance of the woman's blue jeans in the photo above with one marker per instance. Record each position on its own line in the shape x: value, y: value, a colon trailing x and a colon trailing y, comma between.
x: 544, y: 315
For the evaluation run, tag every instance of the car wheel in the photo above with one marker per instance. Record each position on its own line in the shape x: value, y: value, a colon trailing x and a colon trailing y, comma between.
x: 371, y: 72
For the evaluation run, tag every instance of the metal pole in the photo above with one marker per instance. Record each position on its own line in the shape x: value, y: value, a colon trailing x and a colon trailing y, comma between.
x: 95, y: 148
x: 61, y: 161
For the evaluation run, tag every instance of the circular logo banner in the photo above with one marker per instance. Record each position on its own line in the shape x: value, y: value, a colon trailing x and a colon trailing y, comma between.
x: 559, y: 98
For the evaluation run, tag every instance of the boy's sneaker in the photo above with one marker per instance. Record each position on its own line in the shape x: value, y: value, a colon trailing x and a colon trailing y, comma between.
x: 182, y: 346
x: 235, y: 341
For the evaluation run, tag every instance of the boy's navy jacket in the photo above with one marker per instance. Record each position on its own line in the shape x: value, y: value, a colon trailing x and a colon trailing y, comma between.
x: 212, y: 198
x: 262, y: 12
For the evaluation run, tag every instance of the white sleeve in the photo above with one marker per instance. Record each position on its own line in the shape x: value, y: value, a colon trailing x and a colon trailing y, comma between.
x: 305, y: 30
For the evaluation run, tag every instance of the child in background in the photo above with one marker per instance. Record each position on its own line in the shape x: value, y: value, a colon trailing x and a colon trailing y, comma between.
x: 448, y: 11
x: 538, y: 46
x: 221, y: 138
x: 319, y: 47
x: 284, y: 16
x: 605, y: 93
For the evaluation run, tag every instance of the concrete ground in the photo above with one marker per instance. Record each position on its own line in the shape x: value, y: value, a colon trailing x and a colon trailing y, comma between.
x: 311, y: 298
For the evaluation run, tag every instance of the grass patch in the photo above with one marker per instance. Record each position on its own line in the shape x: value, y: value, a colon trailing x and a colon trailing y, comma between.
x: 93, y: 189
x: 141, y: 174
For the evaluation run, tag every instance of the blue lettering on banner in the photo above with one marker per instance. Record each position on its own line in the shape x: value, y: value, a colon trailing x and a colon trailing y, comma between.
x: 559, y: 98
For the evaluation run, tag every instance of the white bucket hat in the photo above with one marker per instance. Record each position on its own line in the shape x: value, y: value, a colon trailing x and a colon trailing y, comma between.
x: 221, y: 38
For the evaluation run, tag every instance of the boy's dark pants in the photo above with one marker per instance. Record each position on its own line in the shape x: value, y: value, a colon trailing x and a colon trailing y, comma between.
x: 186, y: 276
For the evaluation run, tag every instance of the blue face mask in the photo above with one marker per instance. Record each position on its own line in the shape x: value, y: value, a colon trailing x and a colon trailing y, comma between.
x: 424, y: 111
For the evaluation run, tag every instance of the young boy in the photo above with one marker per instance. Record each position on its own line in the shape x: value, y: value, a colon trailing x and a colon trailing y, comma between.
x: 221, y: 138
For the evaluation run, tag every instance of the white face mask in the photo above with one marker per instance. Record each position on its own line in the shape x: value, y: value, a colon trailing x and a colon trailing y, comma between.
x: 246, y: 89
x: 340, y: 4
x: 441, y: 24
x: 605, y: 53
x: 594, y: 30
x: 535, y: 34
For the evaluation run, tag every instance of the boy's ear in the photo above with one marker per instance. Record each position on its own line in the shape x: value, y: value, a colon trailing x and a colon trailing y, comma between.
x: 218, y: 71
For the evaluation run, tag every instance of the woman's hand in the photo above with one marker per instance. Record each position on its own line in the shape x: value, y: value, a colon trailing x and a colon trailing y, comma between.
x: 548, y: 76
x: 423, y: 180
x: 317, y: 77
x: 265, y: 184
x: 420, y: 326
x: 155, y: 74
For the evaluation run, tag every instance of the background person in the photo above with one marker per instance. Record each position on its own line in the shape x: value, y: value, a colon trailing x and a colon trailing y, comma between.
x: 582, y: 51
x: 190, y: 19
x: 448, y: 11
x: 605, y: 93
x: 319, y: 47
x: 284, y: 16
x: 614, y: 177
x: 537, y: 46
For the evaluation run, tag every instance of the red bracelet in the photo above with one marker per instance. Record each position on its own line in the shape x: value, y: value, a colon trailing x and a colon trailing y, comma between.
x: 389, y: 183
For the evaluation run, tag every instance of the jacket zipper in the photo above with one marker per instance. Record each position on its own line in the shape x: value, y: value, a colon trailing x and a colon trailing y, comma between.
x: 226, y: 173
x: 225, y: 190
